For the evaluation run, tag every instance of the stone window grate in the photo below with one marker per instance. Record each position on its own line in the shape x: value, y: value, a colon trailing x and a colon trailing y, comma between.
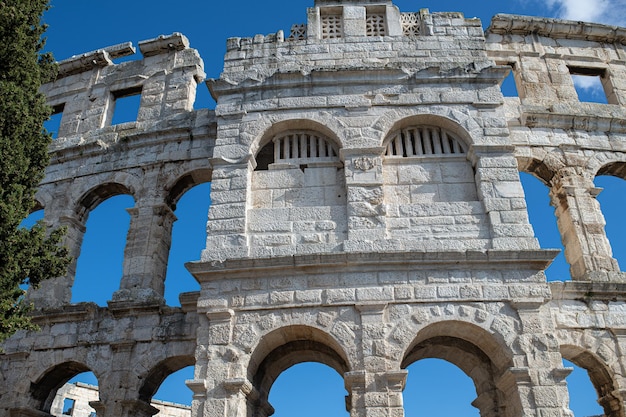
x: 410, y: 24
x: 302, y: 148
x: 424, y: 141
x: 332, y: 26
x: 375, y: 24
x: 298, y: 32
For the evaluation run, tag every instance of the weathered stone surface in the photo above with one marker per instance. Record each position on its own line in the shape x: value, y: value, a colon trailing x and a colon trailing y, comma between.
x: 366, y: 213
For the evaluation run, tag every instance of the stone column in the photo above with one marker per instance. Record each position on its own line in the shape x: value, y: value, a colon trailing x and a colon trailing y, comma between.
x: 146, y: 253
x: 581, y: 224
x: 367, y: 225
x: 56, y: 292
x: 355, y: 383
x: 541, y: 385
x: 375, y: 394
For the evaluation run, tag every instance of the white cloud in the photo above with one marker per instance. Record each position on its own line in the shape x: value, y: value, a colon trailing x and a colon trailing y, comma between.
x: 589, y: 88
x: 612, y: 12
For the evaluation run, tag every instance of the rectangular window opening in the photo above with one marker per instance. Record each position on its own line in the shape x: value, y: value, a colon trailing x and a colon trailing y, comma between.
x: 591, y: 84
x: 509, y: 86
x: 53, y: 124
x: 126, y: 105
x: 331, y: 22
x: 375, y: 22
x: 68, y: 406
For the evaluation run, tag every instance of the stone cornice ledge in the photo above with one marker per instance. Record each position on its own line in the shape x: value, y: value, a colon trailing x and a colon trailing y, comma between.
x: 505, y: 24
x: 537, y: 259
x: 559, y: 118
x: 588, y: 290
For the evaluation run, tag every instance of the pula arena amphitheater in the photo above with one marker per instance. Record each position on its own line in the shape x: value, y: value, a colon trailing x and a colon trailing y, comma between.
x: 366, y: 213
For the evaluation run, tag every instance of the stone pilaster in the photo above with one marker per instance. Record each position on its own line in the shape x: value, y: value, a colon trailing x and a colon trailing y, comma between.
x: 366, y: 209
x: 581, y: 224
x: 227, y: 216
x: 541, y: 385
x: 146, y: 253
x: 500, y: 189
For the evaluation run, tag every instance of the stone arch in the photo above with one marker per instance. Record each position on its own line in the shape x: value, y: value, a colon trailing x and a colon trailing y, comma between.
x: 476, y: 352
x: 544, y: 167
x: 184, y: 182
x: 287, y: 346
x: 607, y: 163
x: 445, y: 124
x: 159, y: 372
x: 44, y: 389
x: 96, y: 195
x: 455, y: 121
x: 601, y: 376
x: 324, y: 124
x: 304, y: 131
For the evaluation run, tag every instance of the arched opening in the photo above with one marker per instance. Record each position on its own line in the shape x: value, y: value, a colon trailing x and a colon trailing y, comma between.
x: 286, y: 347
x: 299, y: 182
x: 425, y: 169
x: 435, y: 387
x: 591, y: 386
x: 544, y: 222
x: 32, y: 218
x: 68, y: 385
x: 99, y: 266
x: 612, y: 202
x: 191, y: 200
x: 167, y: 380
x: 478, y: 355
x: 76, y: 397
x: 308, y: 389
x: 173, y: 397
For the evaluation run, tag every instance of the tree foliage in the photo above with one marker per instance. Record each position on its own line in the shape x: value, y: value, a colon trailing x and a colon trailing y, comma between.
x: 26, y: 256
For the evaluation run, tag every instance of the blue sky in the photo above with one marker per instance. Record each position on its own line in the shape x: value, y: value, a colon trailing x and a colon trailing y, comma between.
x: 77, y: 26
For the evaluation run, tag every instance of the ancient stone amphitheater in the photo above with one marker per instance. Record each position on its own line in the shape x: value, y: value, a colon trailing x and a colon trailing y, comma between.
x: 366, y: 213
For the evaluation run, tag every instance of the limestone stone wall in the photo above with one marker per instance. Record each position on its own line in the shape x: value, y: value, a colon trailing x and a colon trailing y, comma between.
x: 366, y: 213
x: 74, y: 399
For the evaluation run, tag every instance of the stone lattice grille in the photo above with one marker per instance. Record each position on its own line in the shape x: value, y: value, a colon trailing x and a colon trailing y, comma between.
x: 410, y: 24
x: 298, y: 32
x: 302, y: 148
x: 375, y: 25
x: 424, y: 141
x: 332, y: 26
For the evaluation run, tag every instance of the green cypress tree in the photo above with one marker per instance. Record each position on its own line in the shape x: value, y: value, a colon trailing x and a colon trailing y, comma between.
x: 26, y: 256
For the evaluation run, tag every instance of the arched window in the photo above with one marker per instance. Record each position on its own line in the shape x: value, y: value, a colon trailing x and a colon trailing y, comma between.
x: 297, y: 169
x: 612, y: 202
x: 99, y: 267
x: 543, y: 220
x: 592, y: 386
x: 188, y: 241
x: 583, y: 399
x: 75, y: 397
x: 424, y: 141
x: 298, y: 148
x: 435, y: 387
x: 173, y: 396
x: 54, y: 387
x: 308, y: 389
x: 425, y: 168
